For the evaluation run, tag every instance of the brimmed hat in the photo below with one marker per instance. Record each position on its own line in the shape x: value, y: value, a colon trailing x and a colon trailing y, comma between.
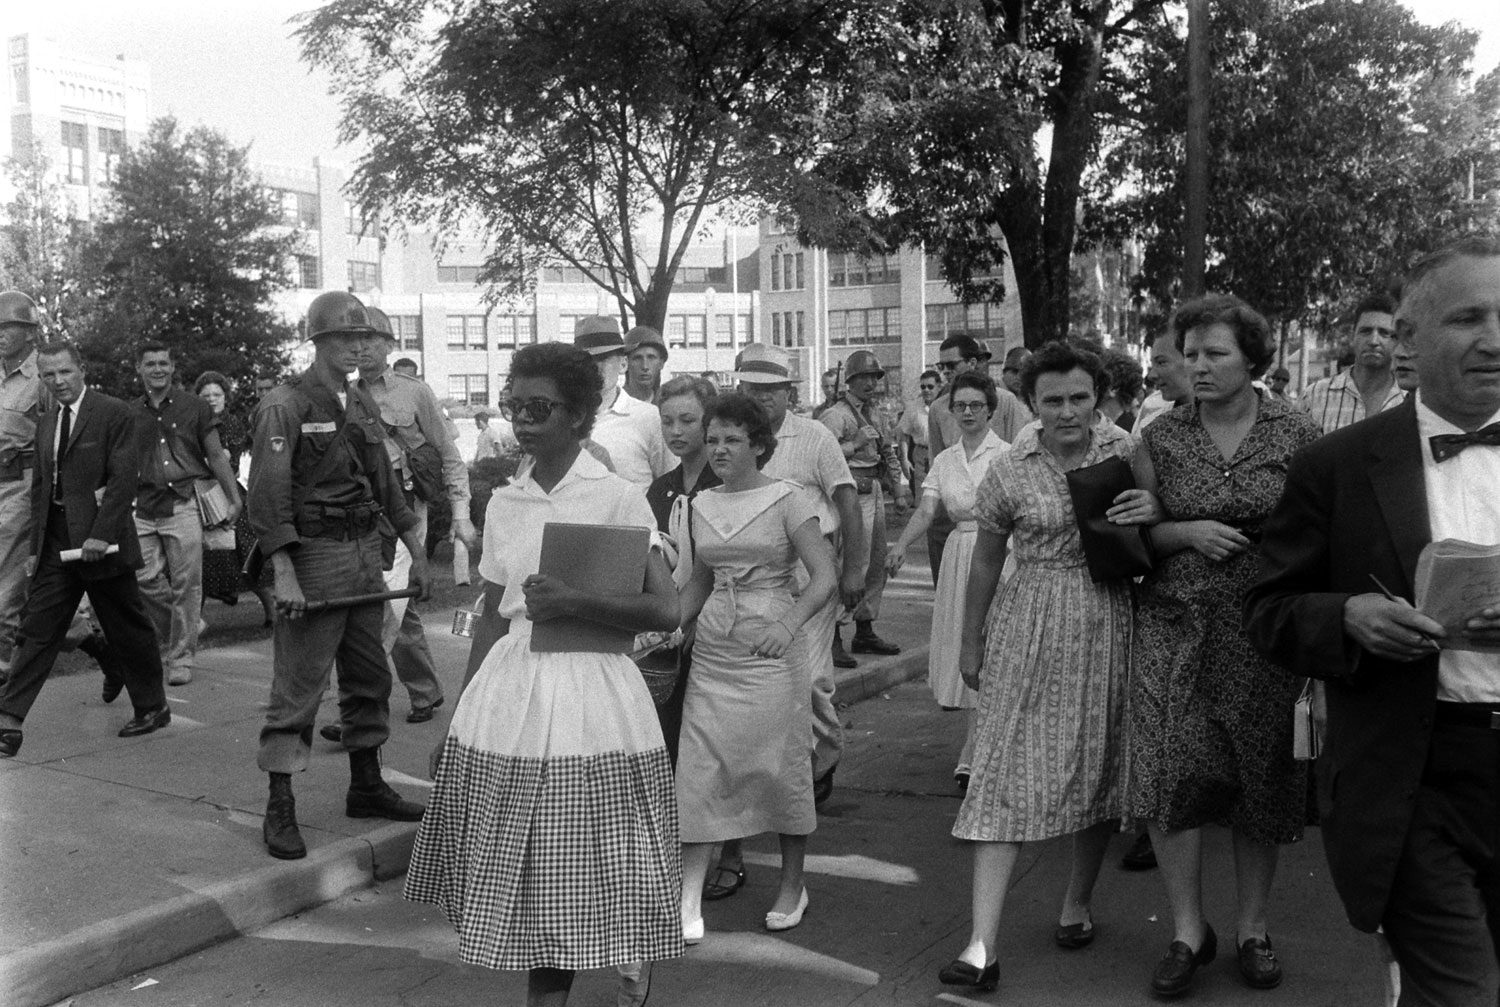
x: 599, y: 335
x: 644, y: 335
x: 761, y: 364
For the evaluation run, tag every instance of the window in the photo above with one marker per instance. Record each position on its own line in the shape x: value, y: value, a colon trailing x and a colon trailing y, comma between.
x: 363, y: 276
x: 849, y: 270
x: 111, y: 147
x: 775, y: 328
x: 982, y: 321
x: 458, y: 274
x: 75, y: 141
x: 724, y: 331
x: 309, y: 277
x: 775, y: 272
x: 298, y: 209
x: 747, y: 328
x: 697, y: 330
x: 408, y: 329
x: 862, y: 326
x: 677, y: 330
x: 354, y: 219
x: 800, y: 282
x: 465, y: 332
x: 513, y: 330
x: 788, y: 271
x: 470, y: 389
x: 788, y: 328
x: 564, y: 274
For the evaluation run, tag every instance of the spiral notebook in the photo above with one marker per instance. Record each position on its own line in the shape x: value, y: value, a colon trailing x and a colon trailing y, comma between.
x: 599, y: 559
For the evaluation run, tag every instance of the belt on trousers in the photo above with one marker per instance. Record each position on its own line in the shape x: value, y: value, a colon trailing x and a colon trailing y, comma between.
x: 17, y: 467
x: 1484, y: 715
x: 340, y: 523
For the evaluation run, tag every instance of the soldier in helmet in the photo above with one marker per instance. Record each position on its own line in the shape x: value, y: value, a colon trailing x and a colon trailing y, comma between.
x: 22, y: 398
x: 872, y: 461
x: 320, y: 479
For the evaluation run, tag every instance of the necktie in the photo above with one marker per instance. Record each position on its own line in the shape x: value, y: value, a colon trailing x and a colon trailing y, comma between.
x: 1445, y: 446
x: 64, y: 429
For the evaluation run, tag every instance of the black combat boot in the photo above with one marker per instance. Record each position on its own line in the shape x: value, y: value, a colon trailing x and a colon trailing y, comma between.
x: 370, y: 796
x: 279, y: 830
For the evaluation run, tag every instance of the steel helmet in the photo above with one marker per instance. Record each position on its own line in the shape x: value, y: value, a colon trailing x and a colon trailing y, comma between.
x: 381, y: 322
x: 862, y: 362
x: 18, y: 309
x: 337, y: 311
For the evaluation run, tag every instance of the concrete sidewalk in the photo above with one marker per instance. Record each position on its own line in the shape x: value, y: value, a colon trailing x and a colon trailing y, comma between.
x: 121, y: 854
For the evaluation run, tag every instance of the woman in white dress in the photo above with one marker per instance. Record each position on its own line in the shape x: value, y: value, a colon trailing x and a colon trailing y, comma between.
x: 951, y: 483
x: 551, y: 839
x: 744, y: 763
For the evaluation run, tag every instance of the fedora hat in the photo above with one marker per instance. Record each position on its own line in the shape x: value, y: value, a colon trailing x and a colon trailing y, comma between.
x: 762, y: 364
x: 599, y: 335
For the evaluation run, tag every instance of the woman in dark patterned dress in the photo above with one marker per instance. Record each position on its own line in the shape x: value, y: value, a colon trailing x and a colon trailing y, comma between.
x: 222, y: 579
x: 1211, y: 721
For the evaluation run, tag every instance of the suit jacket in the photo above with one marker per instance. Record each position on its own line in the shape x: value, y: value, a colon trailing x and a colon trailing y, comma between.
x: 100, y: 466
x: 1354, y: 506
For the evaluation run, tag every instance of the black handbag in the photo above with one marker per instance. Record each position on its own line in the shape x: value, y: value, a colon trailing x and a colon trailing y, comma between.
x: 1112, y: 551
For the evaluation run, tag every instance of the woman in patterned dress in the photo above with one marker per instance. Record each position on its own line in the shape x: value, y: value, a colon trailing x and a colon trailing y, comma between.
x: 1048, y: 755
x: 1211, y: 720
x: 951, y: 483
x: 551, y: 839
x: 744, y: 763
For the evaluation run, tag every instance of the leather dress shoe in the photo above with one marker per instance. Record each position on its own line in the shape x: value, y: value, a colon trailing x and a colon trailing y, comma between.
x: 1074, y: 935
x: 961, y: 973
x: 331, y: 732
x: 1258, y: 965
x: 10, y: 742
x: 869, y: 643
x: 422, y: 714
x: 147, y: 722
x: 113, y: 684
x: 841, y: 658
x: 98, y: 648
x: 1174, y: 973
x: 1141, y: 856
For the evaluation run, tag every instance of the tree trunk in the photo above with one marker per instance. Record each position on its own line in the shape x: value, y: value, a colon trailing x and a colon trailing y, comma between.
x: 651, y: 305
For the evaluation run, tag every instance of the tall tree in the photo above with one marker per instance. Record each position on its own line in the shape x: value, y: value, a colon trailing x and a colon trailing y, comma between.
x: 42, y: 250
x: 938, y: 141
x: 600, y: 135
x: 1342, y: 140
x: 190, y: 252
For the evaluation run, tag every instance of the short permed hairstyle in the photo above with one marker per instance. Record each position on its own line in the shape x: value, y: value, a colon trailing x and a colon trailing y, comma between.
x: 742, y: 411
x: 1125, y: 376
x: 212, y: 378
x: 572, y: 370
x: 702, y: 389
x: 1252, y: 333
x: 976, y: 382
x: 1058, y: 357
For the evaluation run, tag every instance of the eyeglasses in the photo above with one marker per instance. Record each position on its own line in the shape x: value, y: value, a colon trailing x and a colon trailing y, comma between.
x: 970, y: 407
x: 533, y: 411
x: 947, y: 365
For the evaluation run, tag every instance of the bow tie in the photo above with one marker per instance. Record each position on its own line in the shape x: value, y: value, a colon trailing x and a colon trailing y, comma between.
x: 1445, y: 446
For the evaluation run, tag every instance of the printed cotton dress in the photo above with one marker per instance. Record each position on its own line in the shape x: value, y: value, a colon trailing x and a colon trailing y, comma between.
x: 1049, y: 752
x: 744, y: 764
x: 551, y: 836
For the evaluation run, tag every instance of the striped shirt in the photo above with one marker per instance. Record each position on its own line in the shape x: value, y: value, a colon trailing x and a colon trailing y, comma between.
x: 808, y: 454
x: 1335, y: 403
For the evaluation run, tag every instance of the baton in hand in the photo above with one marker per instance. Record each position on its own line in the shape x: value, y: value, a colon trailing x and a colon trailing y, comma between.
x: 361, y: 599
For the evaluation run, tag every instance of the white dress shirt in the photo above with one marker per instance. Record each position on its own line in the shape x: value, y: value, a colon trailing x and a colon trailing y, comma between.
x: 630, y: 430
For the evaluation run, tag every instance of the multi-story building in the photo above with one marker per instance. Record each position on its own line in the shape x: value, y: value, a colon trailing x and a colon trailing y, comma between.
x: 81, y: 114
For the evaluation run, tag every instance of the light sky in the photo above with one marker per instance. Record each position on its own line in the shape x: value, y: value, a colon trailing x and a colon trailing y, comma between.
x: 233, y: 65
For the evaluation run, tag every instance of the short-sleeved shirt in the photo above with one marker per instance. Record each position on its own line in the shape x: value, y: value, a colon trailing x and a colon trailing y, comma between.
x: 914, y: 423
x: 23, y: 398
x: 844, y: 419
x: 410, y: 411
x: 630, y: 430
x: 955, y: 477
x: 296, y: 425
x: 1335, y: 403
x: 588, y: 494
x: 174, y: 452
x: 808, y: 454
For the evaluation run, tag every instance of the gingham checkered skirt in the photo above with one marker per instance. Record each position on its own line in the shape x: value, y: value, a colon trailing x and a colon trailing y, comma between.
x: 551, y: 836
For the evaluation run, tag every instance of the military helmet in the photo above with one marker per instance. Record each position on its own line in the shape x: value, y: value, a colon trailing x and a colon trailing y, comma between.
x: 381, y: 322
x: 18, y: 309
x: 862, y: 362
x: 337, y: 311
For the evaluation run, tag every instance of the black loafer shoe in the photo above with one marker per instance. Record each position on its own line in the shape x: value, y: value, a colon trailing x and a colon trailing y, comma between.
x: 1074, y: 935
x: 961, y: 973
x: 1174, y: 973
x: 10, y: 742
x: 873, y: 644
x: 1258, y: 965
x: 422, y: 714
x: 147, y: 722
x: 331, y: 732
x: 112, y: 686
x: 1141, y: 856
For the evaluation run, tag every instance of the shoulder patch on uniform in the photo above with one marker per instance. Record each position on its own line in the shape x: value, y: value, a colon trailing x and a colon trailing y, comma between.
x: 278, y: 445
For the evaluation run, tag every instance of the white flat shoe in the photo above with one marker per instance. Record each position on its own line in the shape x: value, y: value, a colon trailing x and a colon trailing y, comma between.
x: 785, y: 921
x: 692, y: 932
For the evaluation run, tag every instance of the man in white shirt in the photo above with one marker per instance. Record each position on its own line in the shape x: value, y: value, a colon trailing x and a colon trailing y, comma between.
x: 626, y: 427
x: 1409, y: 778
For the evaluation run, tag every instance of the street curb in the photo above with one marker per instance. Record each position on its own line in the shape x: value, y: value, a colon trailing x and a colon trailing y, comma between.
x: 856, y: 684
x: 113, y: 949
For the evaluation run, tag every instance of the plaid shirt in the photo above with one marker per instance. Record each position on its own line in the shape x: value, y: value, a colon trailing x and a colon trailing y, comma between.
x: 1335, y: 403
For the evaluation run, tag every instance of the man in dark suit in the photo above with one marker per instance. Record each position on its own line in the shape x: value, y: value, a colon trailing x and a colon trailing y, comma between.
x: 81, y: 493
x: 1409, y: 778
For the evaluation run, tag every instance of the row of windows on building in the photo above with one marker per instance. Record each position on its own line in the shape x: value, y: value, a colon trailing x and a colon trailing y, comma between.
x: 300, y: 210
x: 789, y: 272
x: 77, y: 155
x: 361, y: 276
x: 699, y: 275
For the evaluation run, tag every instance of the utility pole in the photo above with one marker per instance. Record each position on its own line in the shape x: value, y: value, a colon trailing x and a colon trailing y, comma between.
x: 1195, y: 199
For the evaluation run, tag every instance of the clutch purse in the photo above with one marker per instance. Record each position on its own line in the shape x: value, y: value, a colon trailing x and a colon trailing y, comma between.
x: 1112, y: 551
x: 1307, y: 740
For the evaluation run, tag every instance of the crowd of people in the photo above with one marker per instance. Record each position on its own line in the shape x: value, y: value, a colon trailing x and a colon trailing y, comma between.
x: 585, y: 817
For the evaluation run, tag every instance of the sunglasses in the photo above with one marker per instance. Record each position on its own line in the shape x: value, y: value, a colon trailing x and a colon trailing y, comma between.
x: 947, y: 365
x: 533, y: 411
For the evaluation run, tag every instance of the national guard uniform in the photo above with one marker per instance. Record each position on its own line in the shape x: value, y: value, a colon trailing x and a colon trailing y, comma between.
x: 22, y: 398
x: 321, y: 482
